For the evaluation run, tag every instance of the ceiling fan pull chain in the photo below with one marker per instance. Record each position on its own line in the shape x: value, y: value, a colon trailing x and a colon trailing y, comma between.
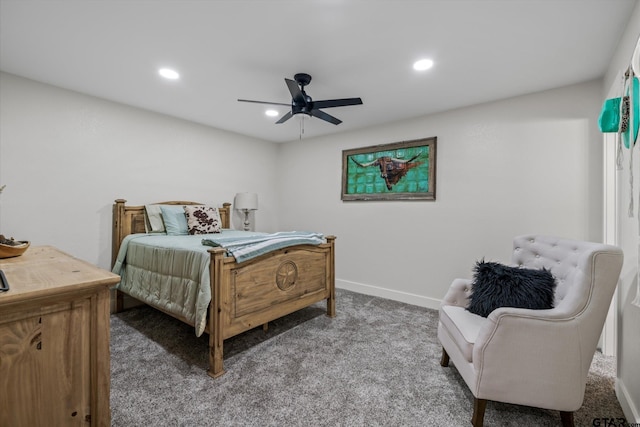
x: 302, y: 117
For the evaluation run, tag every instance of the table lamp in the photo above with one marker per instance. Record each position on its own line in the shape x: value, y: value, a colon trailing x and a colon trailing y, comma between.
x: 246, y: 202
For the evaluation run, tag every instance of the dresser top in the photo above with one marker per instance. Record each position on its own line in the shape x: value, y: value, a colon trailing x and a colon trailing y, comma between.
x: 44, y: 271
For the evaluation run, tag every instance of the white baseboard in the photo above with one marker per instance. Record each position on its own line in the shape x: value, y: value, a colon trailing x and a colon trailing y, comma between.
x: 626, y: 403
x: 376, y: 291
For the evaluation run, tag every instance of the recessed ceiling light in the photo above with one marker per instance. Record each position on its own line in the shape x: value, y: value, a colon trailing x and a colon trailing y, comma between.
x: 168, y: 73
x: 423, y: 64
x: 271, y: 113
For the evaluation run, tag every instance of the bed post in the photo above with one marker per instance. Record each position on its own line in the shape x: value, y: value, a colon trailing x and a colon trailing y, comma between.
x: 216, y: 314
x: 331, y: 301
x: 225, y: 215
x: 117, y: 218
x: 116, y: 240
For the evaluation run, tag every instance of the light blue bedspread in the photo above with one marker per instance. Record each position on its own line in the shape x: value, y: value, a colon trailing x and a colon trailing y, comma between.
x: 167, y: 272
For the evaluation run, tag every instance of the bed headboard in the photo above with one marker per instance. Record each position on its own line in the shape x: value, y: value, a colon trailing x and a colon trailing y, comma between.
x: 130, y: 219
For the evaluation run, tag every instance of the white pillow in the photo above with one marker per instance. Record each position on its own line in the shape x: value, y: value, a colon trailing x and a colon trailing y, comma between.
x: 153, y: 219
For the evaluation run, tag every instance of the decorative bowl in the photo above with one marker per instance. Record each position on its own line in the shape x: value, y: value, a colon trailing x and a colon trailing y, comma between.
x: 8, y: 251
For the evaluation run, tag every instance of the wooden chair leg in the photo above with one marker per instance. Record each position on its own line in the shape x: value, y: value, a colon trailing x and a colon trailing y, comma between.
x: 479, y: 406
x: 567, y: 419
x: 444, y: 360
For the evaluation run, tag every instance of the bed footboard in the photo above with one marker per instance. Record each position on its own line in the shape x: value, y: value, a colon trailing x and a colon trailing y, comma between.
x: 255, y: 292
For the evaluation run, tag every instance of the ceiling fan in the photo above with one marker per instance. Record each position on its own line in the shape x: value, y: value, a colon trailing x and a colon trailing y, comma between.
x: 301, y: 103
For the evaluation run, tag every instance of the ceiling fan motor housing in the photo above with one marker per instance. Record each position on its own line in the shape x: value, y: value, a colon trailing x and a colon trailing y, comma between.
x: 301, y: 109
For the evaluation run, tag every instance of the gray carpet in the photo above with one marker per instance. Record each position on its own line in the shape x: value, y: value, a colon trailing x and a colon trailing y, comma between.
x: 375, y: 364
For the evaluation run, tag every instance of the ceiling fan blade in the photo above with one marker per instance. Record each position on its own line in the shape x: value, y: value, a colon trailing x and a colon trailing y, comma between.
x: 285, y: 118
x: 264, y: 102
x: 328, y: 103
x: 296, y: 93
x: 326, y: 117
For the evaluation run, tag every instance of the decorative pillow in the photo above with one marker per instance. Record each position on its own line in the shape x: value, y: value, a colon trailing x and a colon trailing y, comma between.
x: 202, y: 219
x: 497, y: 285
x: 175, y: 221
x: 153, y: 219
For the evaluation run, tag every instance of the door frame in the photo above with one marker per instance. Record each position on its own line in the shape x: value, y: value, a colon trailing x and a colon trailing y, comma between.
x: 610, y: 233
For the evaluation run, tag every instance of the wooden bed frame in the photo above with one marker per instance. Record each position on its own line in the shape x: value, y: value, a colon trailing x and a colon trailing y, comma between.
x: 250, y: 294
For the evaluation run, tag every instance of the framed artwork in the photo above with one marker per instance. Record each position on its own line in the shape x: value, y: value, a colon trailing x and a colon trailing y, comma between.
x: 398, y: 171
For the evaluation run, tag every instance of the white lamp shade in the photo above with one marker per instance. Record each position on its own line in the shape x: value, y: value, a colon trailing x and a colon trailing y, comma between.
x: 248, y: 201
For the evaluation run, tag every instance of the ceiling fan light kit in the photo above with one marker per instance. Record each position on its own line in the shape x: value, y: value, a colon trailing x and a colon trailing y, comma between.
x: 301, y: 103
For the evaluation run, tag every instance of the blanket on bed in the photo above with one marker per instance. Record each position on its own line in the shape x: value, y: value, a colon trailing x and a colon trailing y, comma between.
x: 167, y: 272
x: 249, y: 247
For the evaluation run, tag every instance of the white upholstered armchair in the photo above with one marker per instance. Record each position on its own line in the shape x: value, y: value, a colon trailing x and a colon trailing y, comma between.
x: 536, y: 358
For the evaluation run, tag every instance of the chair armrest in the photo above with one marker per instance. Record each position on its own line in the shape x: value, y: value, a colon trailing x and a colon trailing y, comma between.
x: 518, y: 351
x: 511, y: 327
x: 553, y: 314
x: 458, y: 293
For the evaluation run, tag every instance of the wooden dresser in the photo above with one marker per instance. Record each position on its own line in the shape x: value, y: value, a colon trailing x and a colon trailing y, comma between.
x: 54, y: 341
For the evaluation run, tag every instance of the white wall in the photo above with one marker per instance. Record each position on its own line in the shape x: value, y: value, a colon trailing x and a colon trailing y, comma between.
x: 628, y: 348
x: 531, y: 164
x: 65, y: 157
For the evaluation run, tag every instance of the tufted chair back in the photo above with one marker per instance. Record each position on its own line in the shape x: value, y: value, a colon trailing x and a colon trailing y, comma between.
x: 561, y: 256
x: 573, y: 264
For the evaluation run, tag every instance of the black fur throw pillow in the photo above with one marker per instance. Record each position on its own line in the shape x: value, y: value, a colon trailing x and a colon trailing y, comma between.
x: 497, y: 285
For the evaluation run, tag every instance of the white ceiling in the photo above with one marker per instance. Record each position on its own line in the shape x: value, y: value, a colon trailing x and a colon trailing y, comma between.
x: 224, y: 50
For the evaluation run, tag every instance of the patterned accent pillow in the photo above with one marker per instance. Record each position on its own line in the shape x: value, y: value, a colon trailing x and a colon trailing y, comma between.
x: 202, y: 219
